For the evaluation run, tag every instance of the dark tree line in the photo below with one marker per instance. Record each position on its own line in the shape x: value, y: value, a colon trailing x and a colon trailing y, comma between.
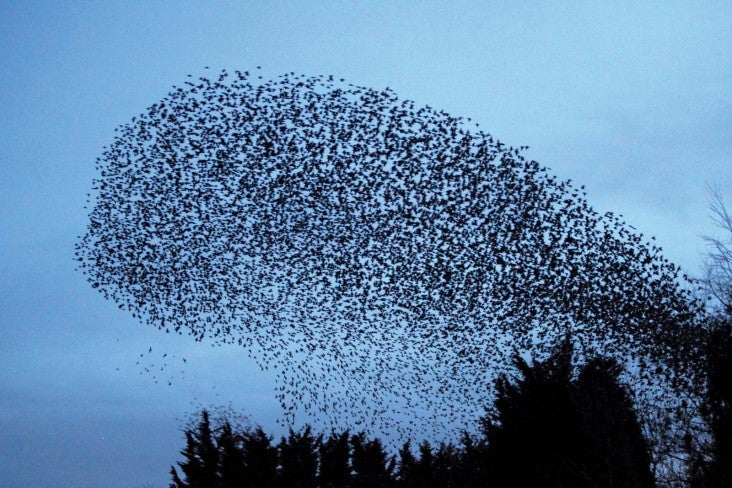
x: 548, y: 427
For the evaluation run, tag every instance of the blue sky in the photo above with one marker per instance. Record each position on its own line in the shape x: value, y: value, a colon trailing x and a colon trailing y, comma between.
x: 631, y: 99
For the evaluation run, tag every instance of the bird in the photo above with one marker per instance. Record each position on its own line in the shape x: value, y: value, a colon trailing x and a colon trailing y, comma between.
x: 371, y: 251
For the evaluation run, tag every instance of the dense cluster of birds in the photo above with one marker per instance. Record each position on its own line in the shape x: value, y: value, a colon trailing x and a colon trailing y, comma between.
x: 386, y: 260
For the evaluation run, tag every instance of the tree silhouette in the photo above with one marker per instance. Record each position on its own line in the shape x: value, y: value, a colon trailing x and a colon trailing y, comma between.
x: 425, y: 473
x: 615, y: 451
x: 545, y: 427
x: 407, y: 467
x: 201, y: 458
x: 473, y: 468
x: 712, y: 468
x: 548, y: 428
x: 335, y: 469
x: 372, y: 467
x: 446, y: 465
x: 710, y: 461
x: 231, y: 472
x: 259, y: 459
x: 532, y: 440
x: 299, y: 459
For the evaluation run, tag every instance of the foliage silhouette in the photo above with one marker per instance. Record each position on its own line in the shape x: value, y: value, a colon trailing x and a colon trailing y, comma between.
x: 615, y: 451
x: 473, y: 467
x: 200, y: 467
x: 298, y: 454
x: 712, y: 468
x: 555, y: 425
x: 370, y: 464
x: 335, y: 455
x: 231, y: 471
x: 260, y: 459
x: 406, y: 469
x: 710, y: 462
x: 550, y: 429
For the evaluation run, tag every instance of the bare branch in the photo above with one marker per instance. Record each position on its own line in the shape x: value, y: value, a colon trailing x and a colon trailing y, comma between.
x: 717, y: 271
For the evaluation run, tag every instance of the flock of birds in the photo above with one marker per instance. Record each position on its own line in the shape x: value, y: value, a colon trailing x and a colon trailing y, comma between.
x: 386, y: 260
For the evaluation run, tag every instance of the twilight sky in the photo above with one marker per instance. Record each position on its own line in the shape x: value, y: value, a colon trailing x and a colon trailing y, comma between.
x: 632, y: 101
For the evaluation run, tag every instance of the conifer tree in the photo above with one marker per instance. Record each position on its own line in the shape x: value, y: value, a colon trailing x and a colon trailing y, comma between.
x: 259, y: 459
x: 533, y: 436
x: 615, y: 451
x: 200, y: 466
x: 372, y: 467
x: 446, y: 465
x: 407, y: 467
x: 335, y: 469
x: 550, y: 430
x: 231, y: 459
x: 425, y: 474
x: 299, y: 459
x: 472, y: 471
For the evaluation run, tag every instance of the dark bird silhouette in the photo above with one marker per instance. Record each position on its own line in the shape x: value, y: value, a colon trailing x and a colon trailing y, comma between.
x: 385, y: 259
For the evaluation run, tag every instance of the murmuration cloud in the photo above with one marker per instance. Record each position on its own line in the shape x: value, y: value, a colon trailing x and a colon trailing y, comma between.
x: 384, y: 259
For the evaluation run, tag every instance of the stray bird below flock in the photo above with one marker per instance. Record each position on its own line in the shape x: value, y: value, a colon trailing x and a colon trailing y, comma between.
x: 384, y: 259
